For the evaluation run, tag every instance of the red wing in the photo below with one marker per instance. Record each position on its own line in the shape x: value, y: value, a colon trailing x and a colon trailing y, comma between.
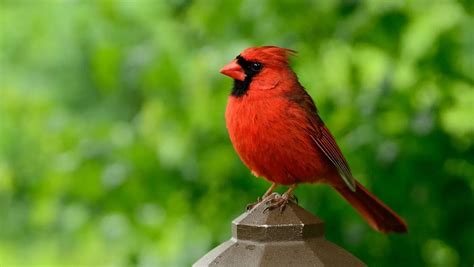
x: 325, y: 141
x: 322, y: 137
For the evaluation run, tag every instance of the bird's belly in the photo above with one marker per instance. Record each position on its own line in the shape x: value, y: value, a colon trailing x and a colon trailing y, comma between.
x: 277, y: 148
x: 281, y: 160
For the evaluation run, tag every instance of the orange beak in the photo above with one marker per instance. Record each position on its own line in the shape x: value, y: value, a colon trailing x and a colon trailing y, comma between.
x: 233, y: 70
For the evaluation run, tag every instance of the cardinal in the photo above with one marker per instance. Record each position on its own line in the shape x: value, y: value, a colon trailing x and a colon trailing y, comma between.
x: 275, y: 128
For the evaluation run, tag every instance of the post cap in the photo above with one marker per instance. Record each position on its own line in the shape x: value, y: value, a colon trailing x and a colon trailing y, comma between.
x: 290, y: 224
x: 292, y: 237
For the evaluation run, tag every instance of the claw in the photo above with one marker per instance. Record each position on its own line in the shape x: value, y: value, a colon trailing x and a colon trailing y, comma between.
x: 282, y: 207
x: 250, y: 206
x: 294, y: 199
x: 279, y: 202
x: 270, y: 201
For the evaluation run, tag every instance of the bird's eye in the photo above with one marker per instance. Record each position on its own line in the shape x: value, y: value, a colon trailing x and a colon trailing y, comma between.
x: 256, y: 66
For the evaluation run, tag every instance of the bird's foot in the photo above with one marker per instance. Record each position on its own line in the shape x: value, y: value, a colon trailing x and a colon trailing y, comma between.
x: 261, y: 199
x: 280, y: 202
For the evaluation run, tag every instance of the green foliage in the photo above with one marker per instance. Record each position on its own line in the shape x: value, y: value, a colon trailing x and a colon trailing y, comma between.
x: 113, y: 147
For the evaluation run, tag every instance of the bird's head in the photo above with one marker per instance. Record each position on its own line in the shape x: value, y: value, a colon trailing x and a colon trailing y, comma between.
x: 258, y: 68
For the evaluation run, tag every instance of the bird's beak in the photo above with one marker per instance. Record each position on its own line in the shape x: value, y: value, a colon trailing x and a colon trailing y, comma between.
x: 233, y: 70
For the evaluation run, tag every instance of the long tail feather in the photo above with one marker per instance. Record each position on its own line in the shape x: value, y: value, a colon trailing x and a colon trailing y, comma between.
x: 374, y: 211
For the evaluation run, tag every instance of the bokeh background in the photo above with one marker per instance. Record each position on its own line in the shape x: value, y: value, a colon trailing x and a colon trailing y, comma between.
x: 113, y: 147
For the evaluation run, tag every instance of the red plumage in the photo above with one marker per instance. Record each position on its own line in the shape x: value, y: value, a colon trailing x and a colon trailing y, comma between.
x: 277, y: 132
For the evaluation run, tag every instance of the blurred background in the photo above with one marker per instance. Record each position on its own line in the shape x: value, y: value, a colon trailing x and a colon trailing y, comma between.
x: 113, y: 147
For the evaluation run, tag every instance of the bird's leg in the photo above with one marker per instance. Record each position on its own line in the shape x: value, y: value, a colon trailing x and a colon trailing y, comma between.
x: 268, y: 192
x: 260, y: 199
x: 281, y: 202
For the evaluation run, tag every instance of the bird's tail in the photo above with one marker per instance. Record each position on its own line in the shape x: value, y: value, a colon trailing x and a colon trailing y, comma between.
x: 376, y: 213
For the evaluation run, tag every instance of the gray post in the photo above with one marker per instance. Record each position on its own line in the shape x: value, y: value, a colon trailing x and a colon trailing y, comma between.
x: 293, y: 237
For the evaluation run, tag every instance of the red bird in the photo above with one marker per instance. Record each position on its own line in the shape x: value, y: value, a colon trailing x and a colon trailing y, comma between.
x: 277, y: 132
